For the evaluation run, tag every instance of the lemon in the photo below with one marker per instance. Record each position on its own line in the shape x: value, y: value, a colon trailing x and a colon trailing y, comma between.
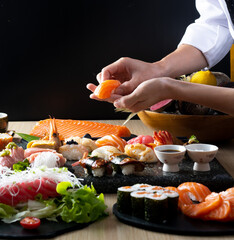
x: 204, y: 77
x: 62, y: 187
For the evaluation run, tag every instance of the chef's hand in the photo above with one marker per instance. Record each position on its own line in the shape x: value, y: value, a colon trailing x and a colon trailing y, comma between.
x: 145, y: 95
x: 130, y: 72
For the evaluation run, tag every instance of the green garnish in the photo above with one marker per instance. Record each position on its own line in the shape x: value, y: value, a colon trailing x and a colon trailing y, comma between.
x: 21, y: 166
x: 11, y: 145
x: 5, y: 152
x: 28, y: 137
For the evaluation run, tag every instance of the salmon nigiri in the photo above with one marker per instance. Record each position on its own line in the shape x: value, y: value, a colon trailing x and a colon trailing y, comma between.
x: 105, y: 88
x: 112, y: 140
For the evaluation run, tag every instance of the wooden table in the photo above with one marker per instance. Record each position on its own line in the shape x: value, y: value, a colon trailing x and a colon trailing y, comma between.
x: 110, y: 228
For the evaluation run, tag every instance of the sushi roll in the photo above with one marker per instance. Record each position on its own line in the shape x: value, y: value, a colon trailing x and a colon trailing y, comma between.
x: 126, y: 165
x: 156, y: 207
x: 173, y: 199
x: 124, y: 199
x: 155, y: 189
x: 142, y: 186
x: 138, y: 203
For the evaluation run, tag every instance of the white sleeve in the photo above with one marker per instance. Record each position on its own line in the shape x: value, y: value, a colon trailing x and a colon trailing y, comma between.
x: 210, y: 33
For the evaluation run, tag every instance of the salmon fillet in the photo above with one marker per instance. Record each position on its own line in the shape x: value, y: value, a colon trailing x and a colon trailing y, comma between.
x: 74, y: 128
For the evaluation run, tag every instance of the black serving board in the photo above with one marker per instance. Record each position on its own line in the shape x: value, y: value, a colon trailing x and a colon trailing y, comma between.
x: 217, y: 179
x: 47, y: 229
x: 179, y: 224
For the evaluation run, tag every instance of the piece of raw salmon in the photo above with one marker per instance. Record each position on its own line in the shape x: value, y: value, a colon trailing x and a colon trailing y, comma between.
x: 73, y: 128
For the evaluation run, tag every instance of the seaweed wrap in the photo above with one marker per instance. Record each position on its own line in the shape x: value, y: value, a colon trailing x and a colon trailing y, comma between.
x: 126, y: 165
x: 138, y: 203
x: 173, y: 199
x: 124, y: 199
x: 156, y: 207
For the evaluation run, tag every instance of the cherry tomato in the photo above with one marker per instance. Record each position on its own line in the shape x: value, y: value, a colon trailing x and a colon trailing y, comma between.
x: 30, y: 222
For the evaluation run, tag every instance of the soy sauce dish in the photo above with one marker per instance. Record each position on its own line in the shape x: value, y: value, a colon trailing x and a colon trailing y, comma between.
x: 170, y: 156
x: 202, y: 154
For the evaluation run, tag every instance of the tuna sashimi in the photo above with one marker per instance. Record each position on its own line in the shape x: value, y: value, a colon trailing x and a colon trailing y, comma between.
x: 22, y: 192
x: 143, y: 139
x: 72, y: 128
x: 112, y: 140
x: 17, y: 187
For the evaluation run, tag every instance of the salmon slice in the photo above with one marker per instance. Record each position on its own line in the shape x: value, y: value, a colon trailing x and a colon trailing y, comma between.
x: 77, y: 128
x: 196, y: 190
x: 112, y: 140
x: 219, y: 213
x: 211, y: 202
x: 228, y: 195
x: 104, y: 89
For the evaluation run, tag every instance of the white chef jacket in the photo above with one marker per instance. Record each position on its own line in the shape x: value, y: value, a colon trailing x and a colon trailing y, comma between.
x: 213, y: 32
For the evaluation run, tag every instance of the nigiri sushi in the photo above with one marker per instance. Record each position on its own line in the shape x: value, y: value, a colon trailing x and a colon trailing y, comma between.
x: 141, y: 152
x: 112, y: 140
x: 104, y: 89
x: 126, y: 165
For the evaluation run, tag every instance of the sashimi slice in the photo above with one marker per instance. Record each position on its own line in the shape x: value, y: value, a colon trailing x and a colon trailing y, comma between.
x: 219, y: 213
x: 112, y: 140
x: 77, y: 128
x: 142, y: 139
x: 228, y: 195
x: 211, y: 202
x: 17, y: 187
x: 198, y: 190
x: 22, y: 192
x: 104, y: 89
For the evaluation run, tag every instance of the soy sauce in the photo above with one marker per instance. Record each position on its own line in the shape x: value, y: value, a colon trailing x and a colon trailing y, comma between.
x: 170, y: 151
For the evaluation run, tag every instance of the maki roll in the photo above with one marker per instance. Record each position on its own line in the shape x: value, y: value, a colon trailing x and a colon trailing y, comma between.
x: 154, y: 189
x: 124, y: 199
x: 173, y: 199
x: 138, y: 203
x: 156, y: 207
x: 142, y: 186
x: 126, y: 165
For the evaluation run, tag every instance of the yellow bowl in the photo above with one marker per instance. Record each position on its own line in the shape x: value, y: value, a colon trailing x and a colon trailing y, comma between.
x: 207, y: 128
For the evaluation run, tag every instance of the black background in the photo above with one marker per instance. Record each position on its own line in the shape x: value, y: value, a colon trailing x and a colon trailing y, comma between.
x: 50, y: 50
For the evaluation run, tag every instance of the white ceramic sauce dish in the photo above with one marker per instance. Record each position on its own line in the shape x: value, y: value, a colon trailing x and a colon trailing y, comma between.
x: 202, y: 154
x: 170, y: 156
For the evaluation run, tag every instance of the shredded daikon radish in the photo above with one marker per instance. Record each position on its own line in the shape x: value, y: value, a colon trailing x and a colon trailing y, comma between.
x: 48, y: 159
x: 9, y: 177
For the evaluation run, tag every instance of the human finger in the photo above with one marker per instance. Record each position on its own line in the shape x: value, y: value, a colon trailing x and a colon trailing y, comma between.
x: 91, y: 87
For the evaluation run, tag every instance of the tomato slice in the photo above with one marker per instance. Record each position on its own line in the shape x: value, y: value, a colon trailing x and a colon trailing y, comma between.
x: 30, y: 222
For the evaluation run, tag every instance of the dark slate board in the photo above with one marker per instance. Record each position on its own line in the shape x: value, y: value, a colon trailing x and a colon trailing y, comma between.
x: 47, y: 229
x: 179, y: 224
x: 217, y: 179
